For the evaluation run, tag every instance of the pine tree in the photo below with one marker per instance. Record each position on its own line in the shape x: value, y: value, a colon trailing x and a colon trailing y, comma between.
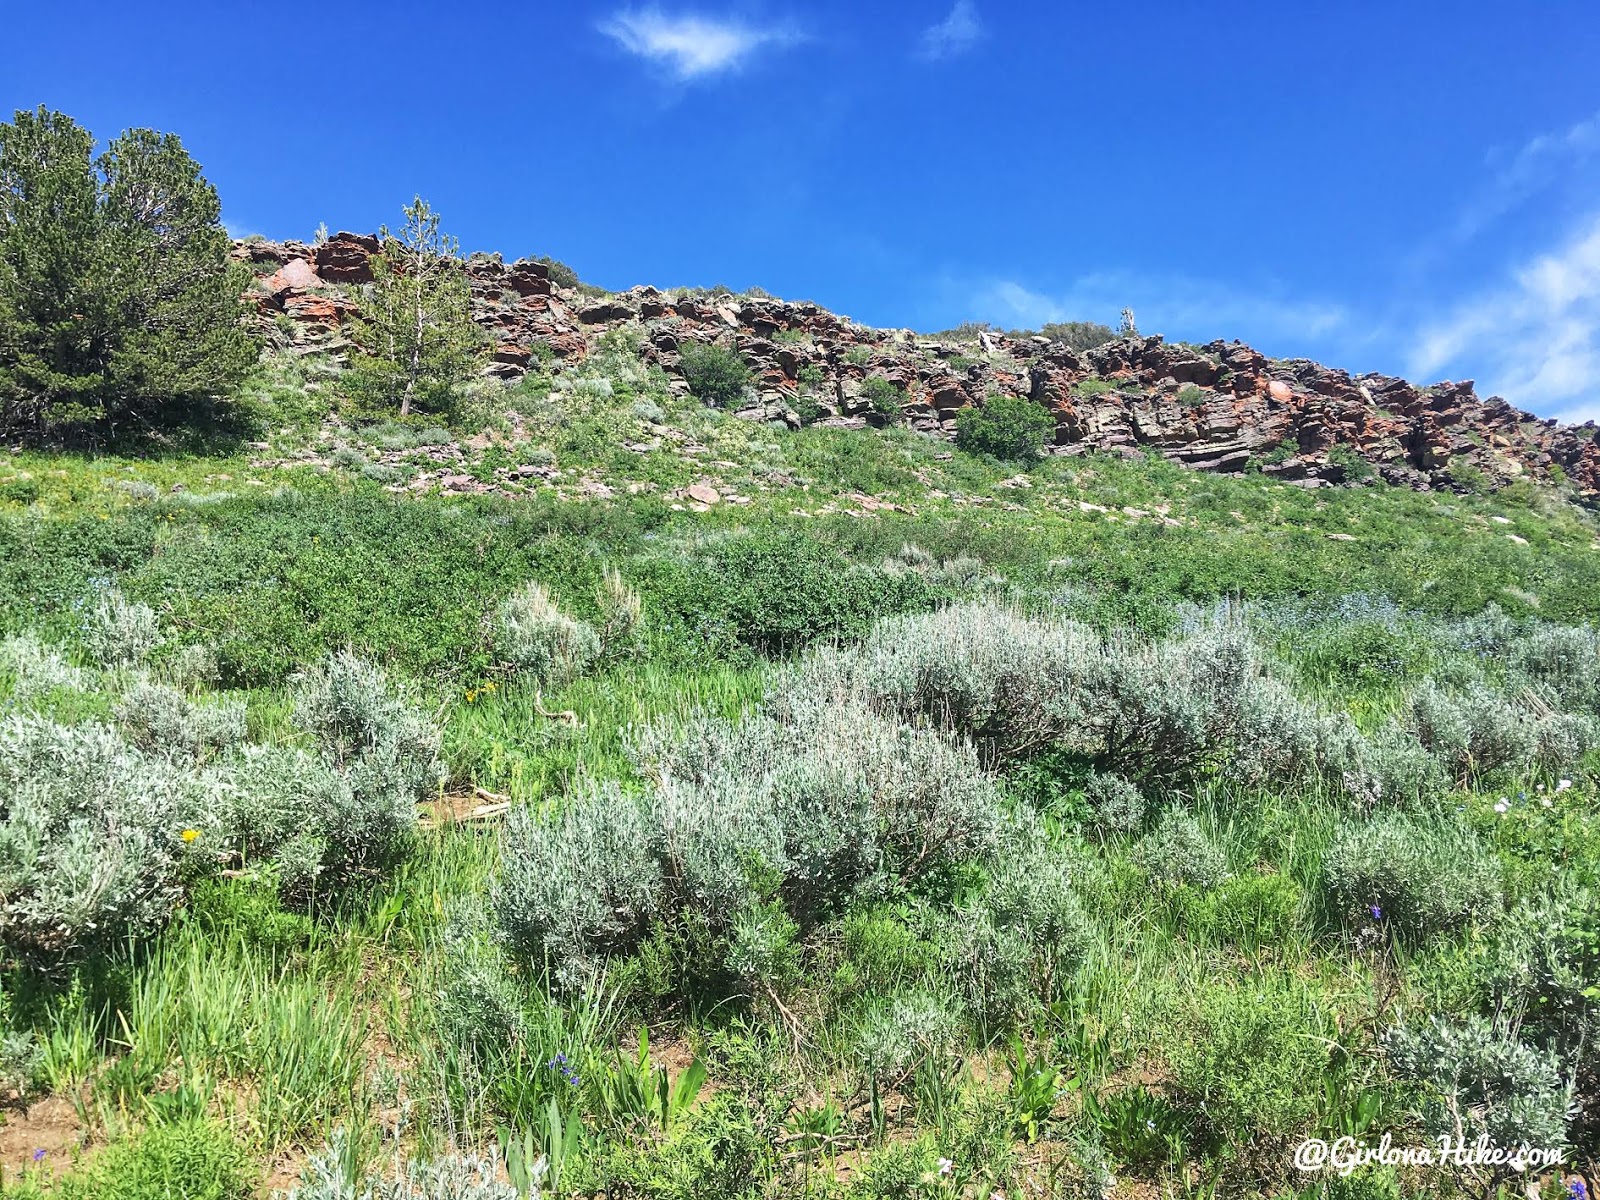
x: 419, y: 342
x: 176, y: 295
x: 118, y: 304
x: 55, y: 332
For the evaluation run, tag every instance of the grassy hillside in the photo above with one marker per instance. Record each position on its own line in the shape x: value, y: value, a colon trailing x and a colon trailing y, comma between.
x: 871, y: 820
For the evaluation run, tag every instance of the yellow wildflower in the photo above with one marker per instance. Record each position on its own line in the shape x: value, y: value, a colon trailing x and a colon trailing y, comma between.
x: 189, y: 835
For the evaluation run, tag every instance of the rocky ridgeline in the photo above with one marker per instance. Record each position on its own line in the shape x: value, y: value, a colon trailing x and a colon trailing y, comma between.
x: 1217, y: 407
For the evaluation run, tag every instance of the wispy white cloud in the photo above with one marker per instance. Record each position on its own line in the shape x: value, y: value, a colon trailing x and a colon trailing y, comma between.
x: 1518, y: 175
x: 691, y: 46
x: 954, y: 35
x: 1537, y: 333
x: 1175, y: 305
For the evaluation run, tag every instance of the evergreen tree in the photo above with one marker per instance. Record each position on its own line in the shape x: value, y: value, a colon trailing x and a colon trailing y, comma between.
x: 419, y: 342
x: 118, y: 303
x: 177, y: 296
x: 54, y: 327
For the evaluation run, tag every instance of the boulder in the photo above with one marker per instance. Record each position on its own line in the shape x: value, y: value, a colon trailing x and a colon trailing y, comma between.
x: 604, y: 312
x: 296, y: 273
x: 703, y: 493
x: 311, y: 309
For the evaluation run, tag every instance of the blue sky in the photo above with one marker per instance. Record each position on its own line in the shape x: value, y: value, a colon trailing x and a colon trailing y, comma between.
x: 1407, y: 186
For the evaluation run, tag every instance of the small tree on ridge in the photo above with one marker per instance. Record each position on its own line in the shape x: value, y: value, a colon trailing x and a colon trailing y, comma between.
x: 419, y: 342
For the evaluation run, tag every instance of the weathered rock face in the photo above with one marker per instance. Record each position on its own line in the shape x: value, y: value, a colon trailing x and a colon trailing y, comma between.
x: 1218, y: 407
x: 343, y: 258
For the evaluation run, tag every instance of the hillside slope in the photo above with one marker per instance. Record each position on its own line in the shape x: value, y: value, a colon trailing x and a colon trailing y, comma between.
x: 1219, y: 407
x: 585, y: 776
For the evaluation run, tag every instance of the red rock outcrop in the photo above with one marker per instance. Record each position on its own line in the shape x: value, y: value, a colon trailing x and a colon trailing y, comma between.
x: 1218, y: 407
x: 343, y: 258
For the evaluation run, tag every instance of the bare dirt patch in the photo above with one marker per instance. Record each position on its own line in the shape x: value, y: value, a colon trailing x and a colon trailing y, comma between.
x: 50, y: 1125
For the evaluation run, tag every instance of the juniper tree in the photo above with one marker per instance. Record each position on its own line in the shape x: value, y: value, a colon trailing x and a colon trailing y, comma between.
x: 418, y: 339
x: 118, y: 303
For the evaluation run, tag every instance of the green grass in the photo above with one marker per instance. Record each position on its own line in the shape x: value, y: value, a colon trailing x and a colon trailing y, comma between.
x: 189, y: 1159
x: 275, y: 576
x: 275, y: 1042
x: 503, y: 742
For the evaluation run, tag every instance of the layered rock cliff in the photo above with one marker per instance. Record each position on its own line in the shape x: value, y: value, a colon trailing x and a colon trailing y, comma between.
x: 1217, y: 407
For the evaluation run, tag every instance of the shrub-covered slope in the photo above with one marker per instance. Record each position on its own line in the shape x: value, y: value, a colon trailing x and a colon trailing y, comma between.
x: 596, y: 793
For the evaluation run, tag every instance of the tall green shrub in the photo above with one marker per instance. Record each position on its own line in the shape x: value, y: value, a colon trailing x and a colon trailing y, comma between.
x: 777, y: 594
x: 716, y: 375
x: 1008, y: 427
x: 885, y: 396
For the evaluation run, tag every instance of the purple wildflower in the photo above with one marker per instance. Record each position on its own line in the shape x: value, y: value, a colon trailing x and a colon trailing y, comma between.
x: 1377, y: 913
x: 559, y: 1063
x: 38, y: 1155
